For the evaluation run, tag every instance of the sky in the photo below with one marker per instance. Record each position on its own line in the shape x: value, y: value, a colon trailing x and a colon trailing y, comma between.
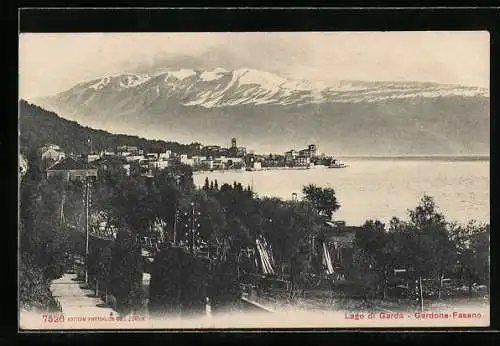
x: 51, y: 63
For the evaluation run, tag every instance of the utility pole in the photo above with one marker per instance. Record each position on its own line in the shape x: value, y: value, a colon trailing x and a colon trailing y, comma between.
x: 87, y: 183
x: 61, y: 225
x: 62, y: 208
x: 441, y: 278
x: 175, y: 225
x: 192, y: 228
x: 421, y: 295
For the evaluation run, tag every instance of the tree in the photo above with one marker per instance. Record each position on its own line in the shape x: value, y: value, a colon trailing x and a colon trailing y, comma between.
x: 425, y: 214
x: 134, y: 204
x: 167, y: 282
x: 169, y: 194
x: 374, y: 256
x: 211, y: 218
x: 472, y: 249
x: 183, y: 174
x: 224, y: 290
x: 35, y: 170
x: 195, y: 283
x: 323, y: 200
x: 436, y: 251
x: 422, y: 245
x: 238, y: 234
x: 34, y: 291
x: 111, y: 172
x: 126, y: 271
x: 43, y: 235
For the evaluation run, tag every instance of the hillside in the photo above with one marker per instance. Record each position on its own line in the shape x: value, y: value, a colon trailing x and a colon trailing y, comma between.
x: 39, y: 127
x: 269, y: 113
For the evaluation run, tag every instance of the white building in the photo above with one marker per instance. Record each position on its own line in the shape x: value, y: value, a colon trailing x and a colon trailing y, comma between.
x: 208, y: 163
x: 51, y: 146
x: 126, y: 167
x: 302, y: 160
x: 150, y: 157
x: 93, y: 157
x: 291, y: 155
x: 158, y: 164
x: 219, y: 164
x: 132, y: 158
x: 53, y: 154
x: 186, y: 160
x: 23, y: 165
x: 197, y: 160
x: 165, y: 156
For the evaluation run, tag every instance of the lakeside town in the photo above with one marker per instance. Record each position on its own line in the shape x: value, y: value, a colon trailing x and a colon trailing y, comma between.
x: 211, y: 158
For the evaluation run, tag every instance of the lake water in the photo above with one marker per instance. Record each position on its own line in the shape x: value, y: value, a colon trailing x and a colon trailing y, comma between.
x: 381, y: 189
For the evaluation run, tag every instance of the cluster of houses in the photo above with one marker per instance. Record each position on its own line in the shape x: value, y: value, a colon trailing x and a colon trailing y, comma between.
x: 209, y: 158
x: 304, y: 158
x: 80, y: 167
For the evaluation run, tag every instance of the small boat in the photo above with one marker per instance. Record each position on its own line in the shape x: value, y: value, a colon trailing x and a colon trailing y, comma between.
x: 337, y: 164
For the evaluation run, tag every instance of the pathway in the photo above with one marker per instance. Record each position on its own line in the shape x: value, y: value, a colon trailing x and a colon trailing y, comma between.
x: 76, y: 300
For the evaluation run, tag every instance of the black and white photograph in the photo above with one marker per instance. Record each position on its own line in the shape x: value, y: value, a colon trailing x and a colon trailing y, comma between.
x: 234, y: 180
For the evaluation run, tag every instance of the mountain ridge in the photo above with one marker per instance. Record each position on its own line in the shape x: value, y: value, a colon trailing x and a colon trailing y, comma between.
x: 255, y: 83
x: 272, y: 113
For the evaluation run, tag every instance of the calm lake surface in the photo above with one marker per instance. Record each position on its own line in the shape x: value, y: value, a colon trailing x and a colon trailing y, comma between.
x: 381, y: 189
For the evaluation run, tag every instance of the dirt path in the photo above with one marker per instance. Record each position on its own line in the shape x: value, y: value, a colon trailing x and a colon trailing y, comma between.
x: 75, y: 300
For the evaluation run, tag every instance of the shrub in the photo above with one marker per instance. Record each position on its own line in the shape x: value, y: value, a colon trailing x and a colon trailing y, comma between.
x: 126, y: 271
x: 167, y: 281
x: 34, y: 289
x: 194, y: 286
x: 225, y: 291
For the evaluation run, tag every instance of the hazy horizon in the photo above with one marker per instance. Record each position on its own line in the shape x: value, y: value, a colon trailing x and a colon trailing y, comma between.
x: 64, y: 60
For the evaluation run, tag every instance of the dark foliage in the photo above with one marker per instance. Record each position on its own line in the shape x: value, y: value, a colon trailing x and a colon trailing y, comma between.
x: 126, y: 272
x: 166, y: 282
x: 39, y: 127
x: 224, y: 291
x: 178, y: 284
x: 425, y: 246
x: 34, y: 291
x: 323, y: 200
x: 195, y: 286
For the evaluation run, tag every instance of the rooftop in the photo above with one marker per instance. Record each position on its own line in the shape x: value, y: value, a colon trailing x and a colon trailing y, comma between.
x: 104, y: 160
x: 68, y: 164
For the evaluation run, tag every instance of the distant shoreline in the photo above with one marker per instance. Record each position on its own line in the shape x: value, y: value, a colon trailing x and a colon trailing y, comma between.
x: 419, y: 157
x: 253, y: 170
x: 442, y: 158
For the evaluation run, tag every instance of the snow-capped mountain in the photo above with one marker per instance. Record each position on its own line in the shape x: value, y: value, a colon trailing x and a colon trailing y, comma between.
x: 221, y: 88
x: 207, y: 104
